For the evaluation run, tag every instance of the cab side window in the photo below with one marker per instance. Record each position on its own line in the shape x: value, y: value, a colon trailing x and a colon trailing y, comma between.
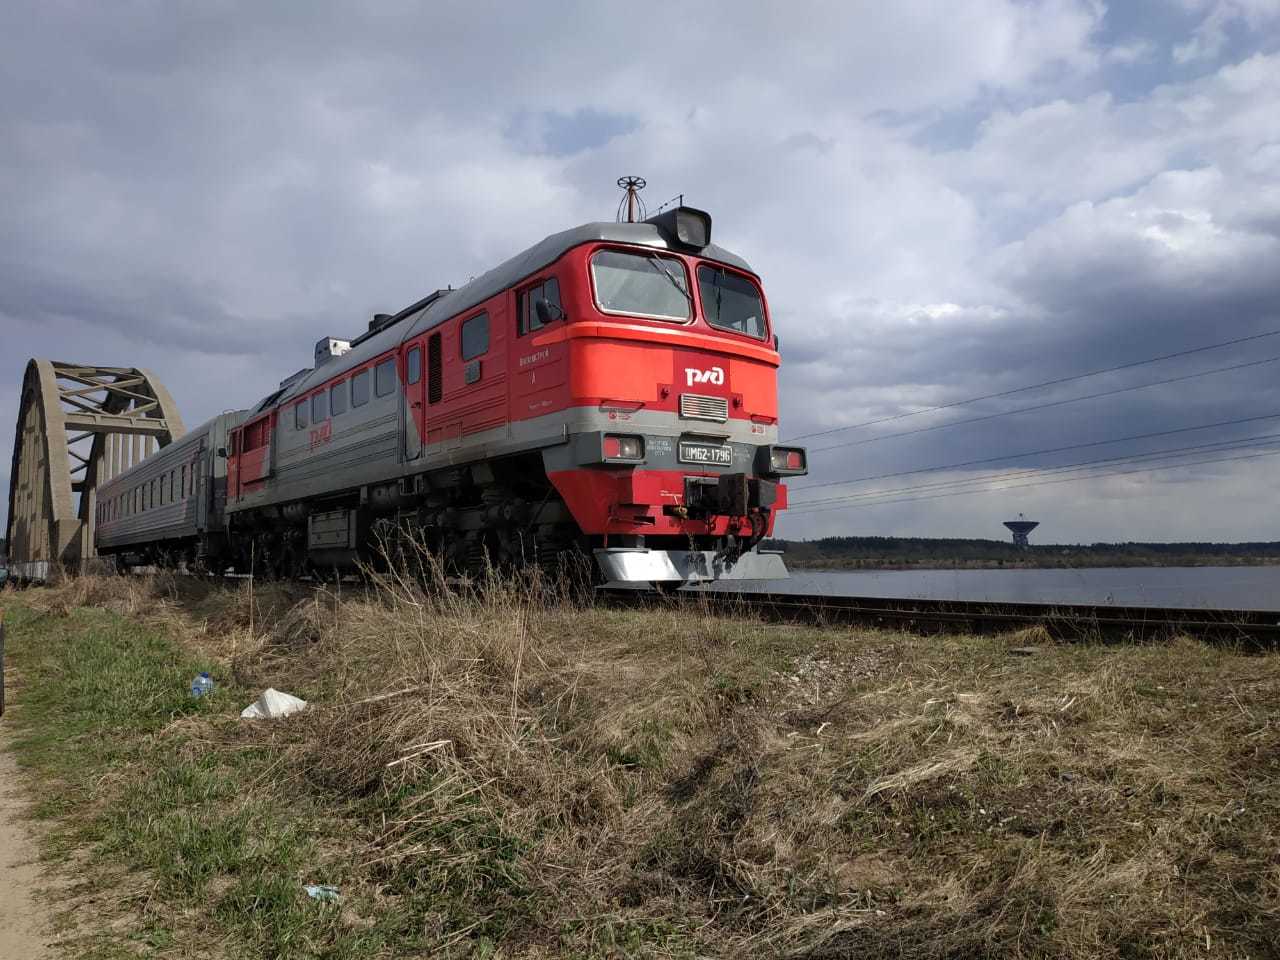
x: 475, y: 336
x: 527, y: 308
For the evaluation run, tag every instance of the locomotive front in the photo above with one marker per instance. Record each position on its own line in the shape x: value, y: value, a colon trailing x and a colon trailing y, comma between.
x: 673, y: 467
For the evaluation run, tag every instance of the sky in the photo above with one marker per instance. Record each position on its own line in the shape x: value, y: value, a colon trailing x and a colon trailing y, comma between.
x: 944, y: 202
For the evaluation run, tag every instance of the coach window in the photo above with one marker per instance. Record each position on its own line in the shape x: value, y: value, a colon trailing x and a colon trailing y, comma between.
x: 338, y: 398
x: 300, y: 415
x: 549, y: 290
x: 182, y: 477
x: 475, y: 336
x: 384, y: 378
x: 360, y: 389
x: 173, y: 489
x: 318, y: 407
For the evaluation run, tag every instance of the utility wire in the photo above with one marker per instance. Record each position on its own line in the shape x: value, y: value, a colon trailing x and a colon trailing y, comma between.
x: 1035, y: 453
x: 1037, y: 483
x: 1218, y: 446
x: 1046, y: 406
x: 1037, y: 386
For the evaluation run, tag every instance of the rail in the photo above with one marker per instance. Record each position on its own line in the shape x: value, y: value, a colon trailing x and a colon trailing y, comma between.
x: 1068, y: 621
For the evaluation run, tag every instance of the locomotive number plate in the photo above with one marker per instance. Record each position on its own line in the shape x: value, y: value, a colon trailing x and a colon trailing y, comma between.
x: 717, y: 454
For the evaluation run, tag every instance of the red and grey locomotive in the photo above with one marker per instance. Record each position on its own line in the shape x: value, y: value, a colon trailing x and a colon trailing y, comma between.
x: 611, y: 391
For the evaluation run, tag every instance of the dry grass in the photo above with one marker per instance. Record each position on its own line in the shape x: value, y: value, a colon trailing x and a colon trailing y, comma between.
x: 523, y: 778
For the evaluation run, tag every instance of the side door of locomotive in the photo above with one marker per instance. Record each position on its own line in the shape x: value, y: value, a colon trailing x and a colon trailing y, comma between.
x: 479, y: 399
x: 413, y: 423
x: 541, y: 369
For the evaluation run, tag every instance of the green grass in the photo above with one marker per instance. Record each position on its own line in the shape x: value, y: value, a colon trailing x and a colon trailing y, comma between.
x: 491, y: 777
x: 146, y: 808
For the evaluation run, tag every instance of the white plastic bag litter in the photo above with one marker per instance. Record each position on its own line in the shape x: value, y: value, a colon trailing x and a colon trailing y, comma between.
x: 272, y: 704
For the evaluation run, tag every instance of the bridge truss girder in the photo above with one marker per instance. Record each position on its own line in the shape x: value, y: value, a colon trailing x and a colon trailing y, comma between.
x: 78, y: 426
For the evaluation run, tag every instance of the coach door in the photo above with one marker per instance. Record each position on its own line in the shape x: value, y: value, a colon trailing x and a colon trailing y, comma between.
x: 413, y: 422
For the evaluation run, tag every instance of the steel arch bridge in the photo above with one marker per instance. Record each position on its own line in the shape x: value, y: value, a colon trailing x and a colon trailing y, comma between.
x: 78, y: 426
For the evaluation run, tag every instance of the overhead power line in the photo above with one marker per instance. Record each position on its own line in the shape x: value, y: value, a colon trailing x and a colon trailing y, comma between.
x: 1037, y: 386
x: 1046, y: 406
x: 1035, y: 453
x: 1037, y: 483
x: 1219, y: 446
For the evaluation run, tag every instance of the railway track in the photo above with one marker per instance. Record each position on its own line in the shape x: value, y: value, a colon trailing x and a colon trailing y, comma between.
x: 1065, y: 621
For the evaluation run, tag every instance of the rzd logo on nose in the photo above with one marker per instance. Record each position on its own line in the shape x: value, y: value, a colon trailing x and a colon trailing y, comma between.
x: 715, y: 375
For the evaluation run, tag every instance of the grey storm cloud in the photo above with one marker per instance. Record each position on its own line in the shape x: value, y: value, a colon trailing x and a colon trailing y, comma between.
x: 941, y: 207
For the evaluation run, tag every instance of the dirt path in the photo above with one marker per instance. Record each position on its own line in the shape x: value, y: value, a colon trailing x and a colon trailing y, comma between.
x: 23, y: 918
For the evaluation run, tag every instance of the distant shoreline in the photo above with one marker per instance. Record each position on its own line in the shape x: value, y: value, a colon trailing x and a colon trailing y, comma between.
x: 1065, y: 563
x: 956, y: 553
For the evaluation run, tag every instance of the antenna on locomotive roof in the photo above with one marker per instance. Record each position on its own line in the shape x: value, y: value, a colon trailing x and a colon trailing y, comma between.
x: 678, y: 200
x: 635, y: 207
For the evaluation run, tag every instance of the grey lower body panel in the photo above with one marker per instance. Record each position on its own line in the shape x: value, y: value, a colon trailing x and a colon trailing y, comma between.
x: 632, y: 565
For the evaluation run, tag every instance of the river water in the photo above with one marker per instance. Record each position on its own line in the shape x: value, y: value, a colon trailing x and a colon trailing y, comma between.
x: 1218, y: 588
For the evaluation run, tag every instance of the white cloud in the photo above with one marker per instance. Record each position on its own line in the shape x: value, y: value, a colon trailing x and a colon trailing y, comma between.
x: 1211, y: 35
x: 214, y: 191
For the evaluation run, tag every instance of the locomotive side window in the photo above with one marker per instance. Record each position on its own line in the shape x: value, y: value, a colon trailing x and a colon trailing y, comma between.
x: 300, y: 415
x: 384, y: 378
x: 549, y: 291
x: 338, y: 398
x: 435, y: 370
x: 413, y: 366
x: 319, y: 407
x: 475, y: 336
x: 641, y: 285
x: 360, y: 389
x: 730, y: 301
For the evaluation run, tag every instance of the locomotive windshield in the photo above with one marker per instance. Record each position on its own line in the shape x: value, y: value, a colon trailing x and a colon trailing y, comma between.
x: 730, y: 301
x: 643, y: 285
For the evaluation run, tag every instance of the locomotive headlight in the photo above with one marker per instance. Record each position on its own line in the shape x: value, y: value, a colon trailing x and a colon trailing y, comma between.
x: 623, y: 448
x: 790, y: 460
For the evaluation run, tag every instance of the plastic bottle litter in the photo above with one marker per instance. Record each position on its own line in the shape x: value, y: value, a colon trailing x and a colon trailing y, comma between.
x: 201, y: 685
x: 322, y: 891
